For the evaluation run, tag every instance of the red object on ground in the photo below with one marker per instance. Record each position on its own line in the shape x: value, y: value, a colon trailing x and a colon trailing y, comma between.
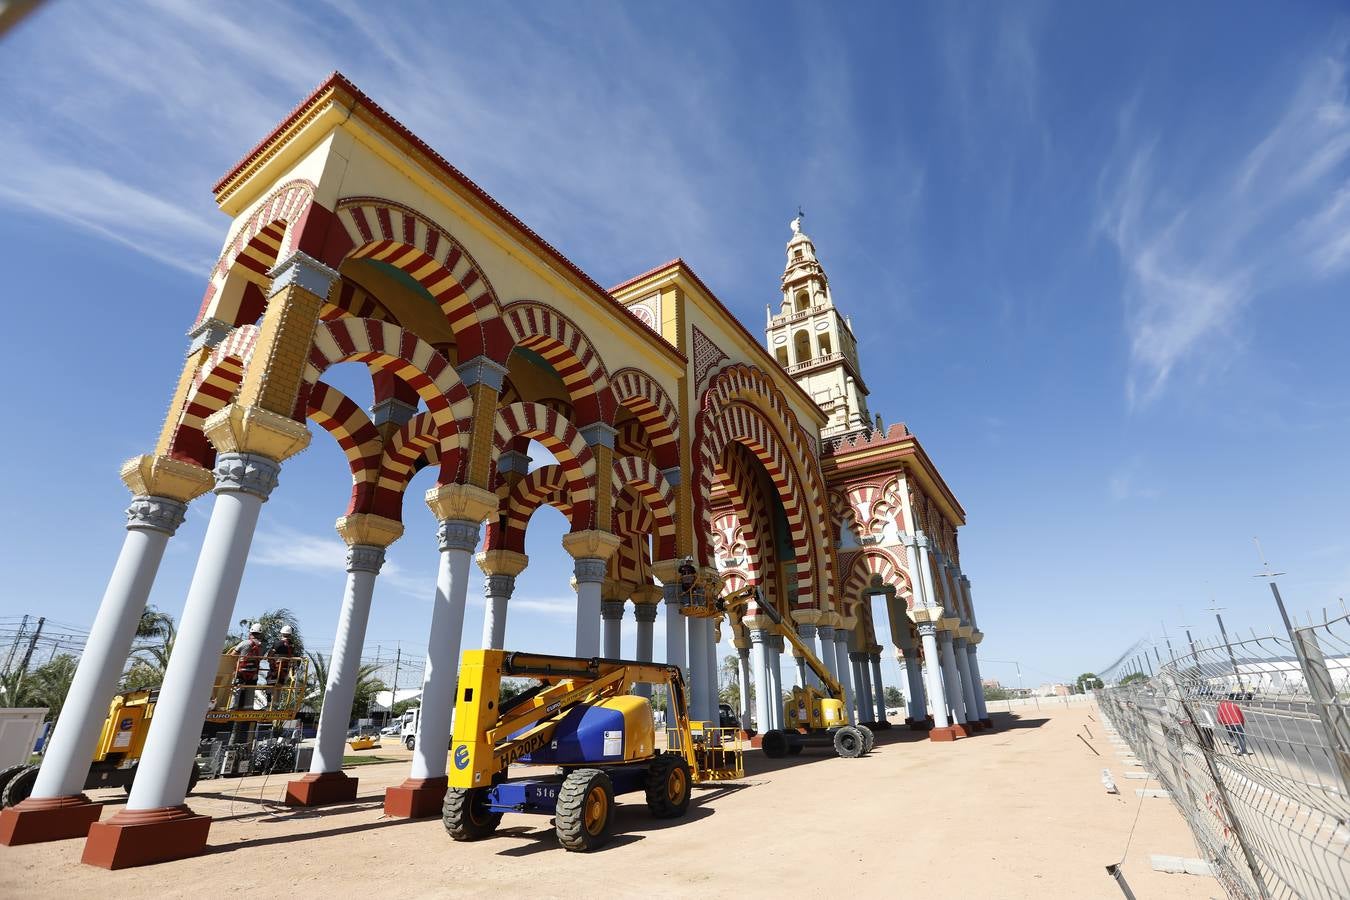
x: 1230, y: 713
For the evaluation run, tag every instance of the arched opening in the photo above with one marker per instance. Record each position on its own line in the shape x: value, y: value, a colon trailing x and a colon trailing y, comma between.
x: 825, y: 345
x: 781, y: 355
x: 802, y: 301
x: 801, y: 344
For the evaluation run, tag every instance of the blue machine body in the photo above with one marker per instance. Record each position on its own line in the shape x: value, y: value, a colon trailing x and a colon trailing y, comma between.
x: 585, y: 734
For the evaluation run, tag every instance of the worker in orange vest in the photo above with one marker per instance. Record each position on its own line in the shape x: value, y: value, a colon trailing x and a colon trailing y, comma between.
x: 1231, y: 718
x: 250, y: 653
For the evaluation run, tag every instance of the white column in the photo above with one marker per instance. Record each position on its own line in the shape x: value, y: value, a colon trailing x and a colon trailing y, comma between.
x: 826, y: 655
x: 978, y: 682
x: 676, y: 648
x: 714, y: 697
x: 457, y: 539
x: 744, y: 654
x: 243, y: 482
x: 805, y: 676
x: 151, y: 521
x: 864, y: 690
x: 967, y: 683
x: 951, y: 679
x: 645, y: 614
x: 363, y: 564
x: 937, y: 701
x: 760, y: 655
x: 589, y: 574
x: 878, y: 687
x: 497, y: 590
x: 698, y: 665
x: 842, y: 667
x: 611, y: 614
x: 918, y: 708
x: 776, y: 675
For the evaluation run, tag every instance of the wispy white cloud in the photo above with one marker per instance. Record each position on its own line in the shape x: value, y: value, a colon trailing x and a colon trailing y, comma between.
x: 284, y: 547
x: 1200, y: 239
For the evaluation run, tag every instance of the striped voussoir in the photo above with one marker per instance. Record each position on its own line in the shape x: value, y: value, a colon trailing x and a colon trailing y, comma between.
x: 545, y: 486
x: 653, y: 407
x: 748, y: 507
x: 259, y: 244
x: 420, y: 438
x: 631, y: 439
x: 388, y: 232
x: 646, y: 480
x: 544, y: 330
x: 350, y: 299
x: 632, y: 561
x: 349, y: 425
x: 556, y: 434
x: 214, y: 385
x: 385, y: 346
x: 870, y: 568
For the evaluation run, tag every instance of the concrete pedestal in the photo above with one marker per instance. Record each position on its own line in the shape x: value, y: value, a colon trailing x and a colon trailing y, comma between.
x: 39, y: 819
x: 138, y: 837
x: 321, y: 789
x: 946, y: 733
x: 416, y: 798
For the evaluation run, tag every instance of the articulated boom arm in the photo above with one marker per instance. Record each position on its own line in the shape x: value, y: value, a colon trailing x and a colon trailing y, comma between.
x: 490, y: 735
x: 736, y: 603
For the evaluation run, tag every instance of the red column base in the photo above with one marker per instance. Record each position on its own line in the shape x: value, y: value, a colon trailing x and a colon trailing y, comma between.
x: 416, y: 798
x: 40, y: 819
x: 946, y: 733
x: 321, y: 789
x: 960, y: 729
x: 138, y: 837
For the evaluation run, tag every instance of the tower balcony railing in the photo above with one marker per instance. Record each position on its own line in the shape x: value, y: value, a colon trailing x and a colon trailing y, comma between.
x: 812, y: 363
x: 789, y: 318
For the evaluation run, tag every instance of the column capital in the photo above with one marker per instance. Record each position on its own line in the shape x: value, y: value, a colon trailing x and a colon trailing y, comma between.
x: 846, y: 624
x: 927, y: 629
x: 598, y: 434
x: 457, y: 534
x: 207, y: 334
x: 152, y: 513
x: 672, y: 476
x: 667, y: 570
x: 841, y: 635
x: 976, y: 635
x: 499, y: 584
x: 611, y: 609
x: 908, y: 539
x: 588, y: 570
x: 246, y: 473
x: 365, y: 558
x: 591, y: 544
x: 758, y: 634
x: 164, y: 476
x: 857, y: 656
x: 461, y: 501
x: 368, y: 529
x: 481, y: 370
x: 513, y: 461
x: 303, y: 271
x: 757, y: 623
x: 502, y: 562
x: 645, y: 594
x: 393, y: 411
x: 256, y: 431
x: 826, y: 632
x: 644, y: 612
x: 810, y: 617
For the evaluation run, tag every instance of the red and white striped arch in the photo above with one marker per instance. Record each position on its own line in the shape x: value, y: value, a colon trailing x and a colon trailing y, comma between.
x: 265, y: 237
x: 645, y: 480
x: 350, y: 299
x: 541, y: 328
x: 419, y: 437
x: 214, y: 385
x: 556, y: 434
x: 545, y: 486
x: 349, y: 425
x: 652, y: 406
x: 391, y: 233
x: 874, y: 567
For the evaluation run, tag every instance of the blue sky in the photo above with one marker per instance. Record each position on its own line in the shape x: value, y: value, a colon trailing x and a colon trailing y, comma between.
x: 1098, y: 260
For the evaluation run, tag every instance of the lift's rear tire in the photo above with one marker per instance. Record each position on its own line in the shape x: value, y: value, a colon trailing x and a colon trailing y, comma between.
x: 869, y: 738
x: 7, y: 774
x: 849, y: 742
x: 668, y: 783
x: 774, y: 744
x: 465, y: 815
x: 18, y: 788
x: 585, y: 810
x: 795, y: 747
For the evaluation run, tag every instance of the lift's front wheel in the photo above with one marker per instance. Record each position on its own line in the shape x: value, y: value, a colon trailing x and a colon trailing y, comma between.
x: 19, y: 787
x: 585, y: 810
x: 7, y: 774
x: 774, y: 744
x: 869, y: 738
x: 849, y: 742
x: 668, y: 783
x: 466, y: 816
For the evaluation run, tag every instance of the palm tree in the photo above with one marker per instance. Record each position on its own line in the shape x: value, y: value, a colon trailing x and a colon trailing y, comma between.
x: 367, y: 685
x: 47, y: 685
x: 272, y: 621
x: 158, y: 632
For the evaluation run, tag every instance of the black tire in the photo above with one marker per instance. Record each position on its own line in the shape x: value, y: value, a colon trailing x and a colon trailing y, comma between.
x: 465, y: 817
x: 7, y: 774
x: 774, y: 744
x: 869, y: 738
x: 668, y: 786
x: 849, y: 742
x: 19, y: 787
x: 585, y: 810
x: 795, y: 747
x: 410, y: 742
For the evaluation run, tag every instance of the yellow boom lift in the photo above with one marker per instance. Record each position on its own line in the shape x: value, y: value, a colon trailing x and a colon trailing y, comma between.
x: 582, y: 723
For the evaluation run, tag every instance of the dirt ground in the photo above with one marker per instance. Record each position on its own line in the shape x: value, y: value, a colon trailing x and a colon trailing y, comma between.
x: 1019, y: 812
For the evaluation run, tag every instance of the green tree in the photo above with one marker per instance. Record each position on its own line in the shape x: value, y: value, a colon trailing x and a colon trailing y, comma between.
x: 367, y: 685
x: 47, y: 685
x: 996, y: 693
x: 1133, y: 677
x: 1088, y: 681
x: 893, y: 696
x: 272, y: 621
x: 155, y: 636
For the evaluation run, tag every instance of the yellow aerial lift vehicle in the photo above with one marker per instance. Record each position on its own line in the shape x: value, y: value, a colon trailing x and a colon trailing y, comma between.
x: 815, y: 718
x: 580, y: 721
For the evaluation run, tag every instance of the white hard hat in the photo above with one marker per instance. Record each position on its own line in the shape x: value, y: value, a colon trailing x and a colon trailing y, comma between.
x: 255, y: 628
x: 286, y: 629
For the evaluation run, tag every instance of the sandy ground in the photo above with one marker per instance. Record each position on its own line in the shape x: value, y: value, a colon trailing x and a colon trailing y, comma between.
x: 1019, y: 812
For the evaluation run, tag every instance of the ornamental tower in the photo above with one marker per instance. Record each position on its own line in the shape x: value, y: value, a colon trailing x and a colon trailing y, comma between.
x: 814, y: 343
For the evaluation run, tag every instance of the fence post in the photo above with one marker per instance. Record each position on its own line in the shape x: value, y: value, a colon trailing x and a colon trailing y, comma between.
x: 1323, y: 692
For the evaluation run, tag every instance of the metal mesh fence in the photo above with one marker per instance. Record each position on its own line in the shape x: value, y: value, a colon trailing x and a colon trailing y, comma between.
x: 1252, y: 740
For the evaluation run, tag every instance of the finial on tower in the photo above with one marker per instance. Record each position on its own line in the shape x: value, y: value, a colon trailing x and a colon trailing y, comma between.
x: 796, y: 223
